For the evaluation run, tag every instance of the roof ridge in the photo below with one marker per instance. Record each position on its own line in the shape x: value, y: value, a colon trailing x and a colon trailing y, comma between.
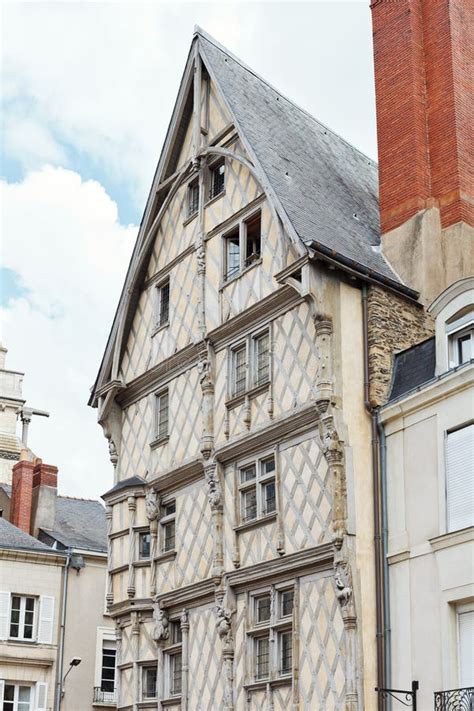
x: 78, y: 498
x: 198, y: 31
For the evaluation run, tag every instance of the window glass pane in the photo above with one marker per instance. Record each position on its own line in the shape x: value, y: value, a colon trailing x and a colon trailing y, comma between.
x: 169, y: 536
x: 240, y: 370
x: 16, y: 602
x: 108, y: 668
x: 149, y: 684
x: 176, y: 633
x: 30, y: 604
x: 464, y: 348
x: 162, y: 406
x: 268, y: 466
x: 217, y: 179
x: 261, y: 657
x: 193, y: 198
x: 286, y: 653
x: 169, y: 509
x: 9, y: 692
x: 249, y: 504
x: 176, y: 674
x: 247, y: 474
x: 269, y: 500
x: 253, y: 232
x: 286, y: 600
x: 164, y: 301
x: 232, y: 242
x: 262, y: 607
x: 145, y: 541
x: 262, y: 359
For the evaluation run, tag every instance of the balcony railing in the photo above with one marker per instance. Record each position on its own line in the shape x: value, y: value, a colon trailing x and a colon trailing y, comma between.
x: 455, y: 700
x: 108, y: 698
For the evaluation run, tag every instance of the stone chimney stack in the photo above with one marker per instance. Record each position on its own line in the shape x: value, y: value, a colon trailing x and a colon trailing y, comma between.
x: 22, y: 493
x: 424, y: 69
x: 45, y: 492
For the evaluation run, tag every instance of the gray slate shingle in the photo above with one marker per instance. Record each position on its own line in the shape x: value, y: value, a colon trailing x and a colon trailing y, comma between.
x: 320, y: 179
x: 13, y: 537
x: 413, y: 367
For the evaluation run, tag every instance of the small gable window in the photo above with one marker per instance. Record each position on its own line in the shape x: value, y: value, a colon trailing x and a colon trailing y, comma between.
x: 163, y: 303
x: 242, y: 245
x: 217, y: 179
x: 193, y: 197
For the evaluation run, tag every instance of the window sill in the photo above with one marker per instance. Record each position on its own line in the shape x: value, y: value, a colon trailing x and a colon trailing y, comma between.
x: 159, y: 441
x: 142, y: 563
x: 268, y: 518
x: 214, y: 199
x: 236, y: 400
x: 190, y: 218
x: 165, y: 555
x: 159, y: 328
x: 171, y: 701
x: 452, y: 538
x: 263, y: 683
x: 226, y: 282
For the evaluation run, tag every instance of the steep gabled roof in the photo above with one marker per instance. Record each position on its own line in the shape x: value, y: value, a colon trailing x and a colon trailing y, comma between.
x: 327, y: 187
x: 324, y: 189
x: 79, y: 523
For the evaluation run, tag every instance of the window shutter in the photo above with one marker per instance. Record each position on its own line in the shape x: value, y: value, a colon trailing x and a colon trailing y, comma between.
x: 2, y: 691
x: 460, y: 478
x: 46, y: 619
x: 466, y: 648
x: 4, y: 614
x: 41, y: 696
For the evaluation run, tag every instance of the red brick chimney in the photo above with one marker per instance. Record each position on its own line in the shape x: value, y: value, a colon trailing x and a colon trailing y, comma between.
x: 424, y: 69
x: 22, y: 495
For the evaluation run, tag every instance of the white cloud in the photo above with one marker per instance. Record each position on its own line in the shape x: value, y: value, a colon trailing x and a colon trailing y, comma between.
x: 70, y: 251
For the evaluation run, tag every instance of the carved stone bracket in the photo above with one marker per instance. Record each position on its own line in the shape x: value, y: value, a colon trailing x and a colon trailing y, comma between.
x: 151, y: 504
x: 214, y: 492
x: 161, y: 630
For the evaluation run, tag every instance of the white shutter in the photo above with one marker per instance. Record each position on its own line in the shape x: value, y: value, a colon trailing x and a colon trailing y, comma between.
x: 4, y: 614
x: 46, y: 619
x: 460, y: 478
x: 466, y: 648
x: 2, y: 692
x: 41, y: 696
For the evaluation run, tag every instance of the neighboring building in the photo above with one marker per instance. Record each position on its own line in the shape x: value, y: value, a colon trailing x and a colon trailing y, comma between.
x: 429, y: 431
x: 238, y: 392
x: 53, y: 552
x: 31, y: 577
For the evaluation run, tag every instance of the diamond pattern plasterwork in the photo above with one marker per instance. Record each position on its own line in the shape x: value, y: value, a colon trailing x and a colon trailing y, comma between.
x: 194, y: 536
x: 306, y: 495
x: 295, y: 361
x: 321, y: 684
x: 206, y: 679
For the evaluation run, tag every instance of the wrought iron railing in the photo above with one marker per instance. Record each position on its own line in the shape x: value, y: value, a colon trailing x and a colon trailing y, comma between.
x: 455, y: 699
x: 105, y: 697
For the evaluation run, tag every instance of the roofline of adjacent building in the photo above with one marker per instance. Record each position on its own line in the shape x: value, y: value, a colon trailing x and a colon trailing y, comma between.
x: 25, y: 553
x: 320, y: 251
x: 409, y: 402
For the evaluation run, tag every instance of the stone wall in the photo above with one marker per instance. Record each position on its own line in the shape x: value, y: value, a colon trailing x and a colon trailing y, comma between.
x: 393, y: 325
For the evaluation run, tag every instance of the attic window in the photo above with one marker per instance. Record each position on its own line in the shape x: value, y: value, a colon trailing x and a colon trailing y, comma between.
x: 242, y: 245
x: 232, y: 253
x: 193, y: 197
x: 253, y: 229
x: 461, y: 339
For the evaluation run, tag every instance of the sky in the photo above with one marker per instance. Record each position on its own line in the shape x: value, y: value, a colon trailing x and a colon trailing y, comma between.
x: 87, y: 90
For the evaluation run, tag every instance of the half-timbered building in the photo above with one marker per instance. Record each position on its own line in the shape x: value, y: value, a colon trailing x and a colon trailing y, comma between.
x: 236, y: 393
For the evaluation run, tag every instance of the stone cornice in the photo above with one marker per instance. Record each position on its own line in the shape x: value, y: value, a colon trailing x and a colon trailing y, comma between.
x: 299, y: 420
x: 189, y: 596
x: 177, y: 476
x: 23, y: 661
x: 41, y: 557
x: 307, y: 560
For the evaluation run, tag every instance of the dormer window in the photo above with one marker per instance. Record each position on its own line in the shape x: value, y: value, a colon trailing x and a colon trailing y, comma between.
x: 242, y: 245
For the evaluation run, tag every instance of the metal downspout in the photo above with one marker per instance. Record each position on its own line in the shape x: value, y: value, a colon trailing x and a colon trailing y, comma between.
x: 386, y: 586
x: 379, y: 583
x: 60, y: 669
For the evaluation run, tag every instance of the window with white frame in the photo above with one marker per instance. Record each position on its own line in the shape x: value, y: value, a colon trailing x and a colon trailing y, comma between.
x: 461, y: 339
x: 168, y: 526
x: 216, y: 179
x: 460, y: 478
x: 149, y: 677
x: 250, y: 363
x: 144, y: 543
x: 163, y: 303
x: 22, y: 617
x: 271, y: 634
x: 161, y: 414
x: 465, y: 624
x: 173, y: 661
x: 108, y: 666
x: 257, y: 489
x: 242, y: 245
x: 17, y: 697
